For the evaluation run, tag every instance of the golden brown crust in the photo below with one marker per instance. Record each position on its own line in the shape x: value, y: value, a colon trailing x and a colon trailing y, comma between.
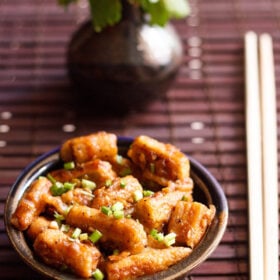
x: 100, y: 145
x: 147, y: 262
x: 31, y: 205
x: 126, y: 234
x: 57, y: 249
x: 189, y: 221
x: 159, y: 162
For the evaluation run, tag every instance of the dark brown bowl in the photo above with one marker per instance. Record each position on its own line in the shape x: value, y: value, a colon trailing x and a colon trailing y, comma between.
x: 207, y: 190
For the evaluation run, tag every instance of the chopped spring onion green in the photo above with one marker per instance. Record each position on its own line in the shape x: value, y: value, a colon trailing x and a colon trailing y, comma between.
x: 95, y: 236
x: 117, y: 206
x: 118, y: 214
x: 76, y: 233
x: 64, y: 228
x: 69, y: 165
x: 51, y: 178
x: 108, y: 183
x: 83, y: 236
x: 69, y: 186
x: 157, y: 235
x: 137, y: 195
x: 106, y: 210
x: 59, y: 188
x: 122, y: 184
x: 147, y: 193
x: 119, y: 159
x: 98, y: 274
x: 169, y: 239
x: 87, y: 184
x: 58, y: 217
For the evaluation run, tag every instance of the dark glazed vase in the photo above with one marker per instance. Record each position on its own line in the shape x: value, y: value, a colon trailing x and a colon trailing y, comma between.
x: 125, y: 66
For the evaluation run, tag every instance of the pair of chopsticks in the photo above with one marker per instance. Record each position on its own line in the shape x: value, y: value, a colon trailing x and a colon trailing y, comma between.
x: 261, y: 132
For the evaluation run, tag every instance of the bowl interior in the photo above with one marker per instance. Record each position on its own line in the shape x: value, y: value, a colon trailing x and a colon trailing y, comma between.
x: 207, y: 190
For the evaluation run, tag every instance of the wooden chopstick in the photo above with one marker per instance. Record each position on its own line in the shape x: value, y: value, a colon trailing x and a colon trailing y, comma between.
x: 254, y: 156
x: 269, y: 150
x: 261, y: 127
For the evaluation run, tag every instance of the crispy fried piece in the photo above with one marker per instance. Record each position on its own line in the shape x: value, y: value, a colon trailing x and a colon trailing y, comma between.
x: 96, y: 170
x: 159, y: 162
x: 39, y: 225
x: 100, y: 145
x: 55, y: 203
x: 123, y: 166
x: 147, y: 262
x: 121, y: 190
x: 56, y: 249
x: 77, y: 196
x: 31, y: 204
x: 154, y: 212
x: 126, y: 234
x: 189, y: 221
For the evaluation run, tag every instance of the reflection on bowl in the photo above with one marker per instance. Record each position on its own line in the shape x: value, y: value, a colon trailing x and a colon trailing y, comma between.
x: 207, y: 190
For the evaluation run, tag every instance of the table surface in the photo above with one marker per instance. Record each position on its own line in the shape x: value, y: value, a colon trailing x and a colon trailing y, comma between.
x: 203, y: 112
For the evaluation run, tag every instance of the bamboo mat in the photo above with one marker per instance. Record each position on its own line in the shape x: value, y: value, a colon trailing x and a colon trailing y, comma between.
x: 203, y: 112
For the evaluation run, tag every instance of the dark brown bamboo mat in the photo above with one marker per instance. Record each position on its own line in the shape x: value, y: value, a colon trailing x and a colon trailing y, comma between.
x: 203, y: 112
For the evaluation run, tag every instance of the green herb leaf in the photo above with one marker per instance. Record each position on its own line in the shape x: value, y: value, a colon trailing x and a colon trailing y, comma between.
x: 95, y: 236
x: 76, y: 233
x: 69, y: 165
x: 105, y: 13
x: 106, y: 210
x: 98, y: 274
x: 87, y: 184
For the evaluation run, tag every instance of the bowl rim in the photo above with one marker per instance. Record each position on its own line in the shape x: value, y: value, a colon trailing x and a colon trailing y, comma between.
x: 200, y: 253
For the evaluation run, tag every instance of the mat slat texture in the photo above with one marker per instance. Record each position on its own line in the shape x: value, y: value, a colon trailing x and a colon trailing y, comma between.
x: 203, y: 113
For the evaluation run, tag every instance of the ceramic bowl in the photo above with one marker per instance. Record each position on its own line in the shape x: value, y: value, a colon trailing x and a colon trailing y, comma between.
x: 207, y: 190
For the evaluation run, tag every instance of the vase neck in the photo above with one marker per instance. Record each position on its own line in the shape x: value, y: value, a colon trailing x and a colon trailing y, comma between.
x: 131, y: 12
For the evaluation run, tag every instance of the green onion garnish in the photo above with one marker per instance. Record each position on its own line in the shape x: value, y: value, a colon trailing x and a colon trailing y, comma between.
x: 147, y: 193
x: 69, y: 186
x: 98, y: 274
x: 137, y: 195
x: 157, y: 235
x: 118, y: 214
x: 76, y: 233
x: 117, y: 206
x: 65, y: 228
x: 169, y: 239
x: 51, y: 178
x: 95, y: 236
x: 69, y: 165
x: 87, y: 184
x: 108, y: 183
x: 59, y: 188
x: 119, y: 159
x: 83, y: 236
x: 58, y: 217
x: 122, y: 184
x: 106, y: 210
